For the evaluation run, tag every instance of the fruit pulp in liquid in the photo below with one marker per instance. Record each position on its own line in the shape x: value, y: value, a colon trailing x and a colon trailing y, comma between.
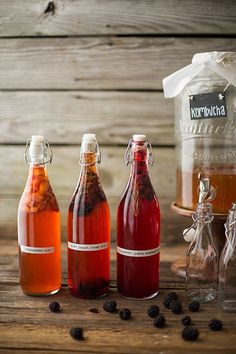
x: 138, y: 228
x: 89, y: 223
x: 39, y: 226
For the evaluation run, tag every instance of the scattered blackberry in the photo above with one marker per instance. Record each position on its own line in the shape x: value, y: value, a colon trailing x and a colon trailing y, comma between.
x: 125, y: 314
x: 153, y: 311
x: 175, y: 306
x: 77, y: 333
x: 194, y: 306
x: 110, y: 306
x: 215, y: 325
x: 171, y: 296
x: 190, y: 333
x: 54, y: 306
x: 159, y: 321
x: 186, y: 320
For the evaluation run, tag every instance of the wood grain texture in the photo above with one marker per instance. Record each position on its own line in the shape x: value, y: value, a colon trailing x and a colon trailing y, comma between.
x: 64, y: 116
x: 96, y: 17
x: 172, y: 225
x: 27, y: 324
x: 138, y: 63
x: 64, y: 172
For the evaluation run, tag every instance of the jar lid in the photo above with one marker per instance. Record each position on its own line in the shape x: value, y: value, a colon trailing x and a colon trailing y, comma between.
x: 222, y: 63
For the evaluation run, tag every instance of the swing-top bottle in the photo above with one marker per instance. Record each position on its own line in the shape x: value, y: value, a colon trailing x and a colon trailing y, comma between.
x: 88, y: 228
x: 202, y: 257
x: 39, y: 225
x: 227, y: 267
x: 138, y: 227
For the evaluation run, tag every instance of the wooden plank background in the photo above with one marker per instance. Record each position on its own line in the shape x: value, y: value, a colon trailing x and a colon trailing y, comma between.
x: 69, y: 67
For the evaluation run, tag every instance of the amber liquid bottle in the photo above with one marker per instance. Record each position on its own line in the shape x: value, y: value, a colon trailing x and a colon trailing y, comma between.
x: 89, y: 229
x: 138, y: 227
x: 39, y: 226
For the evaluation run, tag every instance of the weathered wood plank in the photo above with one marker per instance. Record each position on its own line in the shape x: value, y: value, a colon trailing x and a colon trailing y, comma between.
x: 27, y: 324
x: 9, y: 271
x: 68, y: 17
x: 172, y: 225
x: 64, y: 171
x: 63, y: 175
x: 64, y: 116
x: 98, y: 63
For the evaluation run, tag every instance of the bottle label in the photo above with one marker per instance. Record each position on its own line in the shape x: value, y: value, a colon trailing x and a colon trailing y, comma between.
x: 88, y: 247
x: 138, y: 253
x: 37, y: 250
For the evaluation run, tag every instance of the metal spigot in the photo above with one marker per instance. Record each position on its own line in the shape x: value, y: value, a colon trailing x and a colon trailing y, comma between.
x: 206, y: 192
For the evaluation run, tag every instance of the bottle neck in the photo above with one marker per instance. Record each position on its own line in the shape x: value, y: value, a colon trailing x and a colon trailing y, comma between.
x: 37, y: 170
x: 203, y: 214
x: 88, y: 162
x: 139, y: 158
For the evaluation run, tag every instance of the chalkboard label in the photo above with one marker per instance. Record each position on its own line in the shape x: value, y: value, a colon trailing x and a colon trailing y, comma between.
x: 208, y: 105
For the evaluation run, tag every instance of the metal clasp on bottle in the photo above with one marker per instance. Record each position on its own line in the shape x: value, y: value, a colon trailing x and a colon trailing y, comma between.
x: 128, y: 156
x: 48, y: 155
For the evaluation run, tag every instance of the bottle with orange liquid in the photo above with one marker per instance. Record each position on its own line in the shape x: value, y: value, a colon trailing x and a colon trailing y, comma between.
x: 39, y: 225
x: 138, y: 227
x: 89, y: 228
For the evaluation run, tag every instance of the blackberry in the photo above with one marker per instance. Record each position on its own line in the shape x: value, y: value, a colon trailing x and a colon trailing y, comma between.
x: 54, y: 306
x: 215, y: 325
x: 194, y: 306
x: 125, y: 314
x: 77, y: 333
x: 153, y: 311
x: 171, y: 296
x: 186, y: 320
x: 190, y: 333
x: 110, y: 306
x: 175, y: 306
x: 159, y: 321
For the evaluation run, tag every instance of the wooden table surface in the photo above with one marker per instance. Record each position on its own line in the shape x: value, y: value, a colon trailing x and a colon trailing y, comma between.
x: 27, y: 325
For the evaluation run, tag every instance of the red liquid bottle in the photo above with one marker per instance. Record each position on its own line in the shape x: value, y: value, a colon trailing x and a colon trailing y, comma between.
x: 39, y: 225
x: 138, y: 227
x: 89, y: 229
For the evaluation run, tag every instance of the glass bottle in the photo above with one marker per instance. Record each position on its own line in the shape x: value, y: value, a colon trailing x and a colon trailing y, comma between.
x: 227, y: 267
x: 202, y: 257
x: 39, y: 225
x: 138, y: 227
x: 89, y: 228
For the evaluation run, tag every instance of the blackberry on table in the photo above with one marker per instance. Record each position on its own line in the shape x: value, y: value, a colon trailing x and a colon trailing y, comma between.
x: 110, y: 305
x: 54, y: 306
x: 171, y: 296
x: 194, y: 306
x: 190, y: 333
x: 186, y: 321
x: 153, y: 311
x: 215, y: 325
x: 77, y: 333
x: 176, y: 307
x: 125, y: 314
x: 159, y: 321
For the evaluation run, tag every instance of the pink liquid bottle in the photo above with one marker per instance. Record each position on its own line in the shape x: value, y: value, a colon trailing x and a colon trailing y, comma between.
x: 138, y: 227
x: 88, y: 228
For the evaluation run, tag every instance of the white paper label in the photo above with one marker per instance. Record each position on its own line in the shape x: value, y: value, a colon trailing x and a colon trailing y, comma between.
x: 138, y: 253
x: 88, y: 247
x: 37, y: 250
